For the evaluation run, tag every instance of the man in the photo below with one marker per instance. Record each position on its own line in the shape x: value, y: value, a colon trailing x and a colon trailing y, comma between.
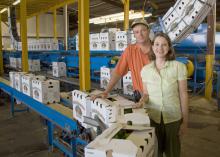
x: 133, y: 58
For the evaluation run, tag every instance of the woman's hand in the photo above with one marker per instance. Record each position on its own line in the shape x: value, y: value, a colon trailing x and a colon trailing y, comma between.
x: 144, y: 100
x: 183, y: 129
x: 138, y: 105
x: 184, y: 106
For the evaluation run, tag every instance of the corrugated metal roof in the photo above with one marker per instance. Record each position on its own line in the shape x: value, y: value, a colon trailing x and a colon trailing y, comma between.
x: 34, y: 7
x: 97, y: 7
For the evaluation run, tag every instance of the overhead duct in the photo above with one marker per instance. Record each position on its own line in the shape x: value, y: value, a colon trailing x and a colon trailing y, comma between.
x: 13, y: 27
x: 13, y: 23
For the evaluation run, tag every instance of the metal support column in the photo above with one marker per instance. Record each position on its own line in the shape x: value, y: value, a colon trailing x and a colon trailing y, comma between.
x: 55, y: 23
x: 126, y: 14
x: 73, y: 145
x: 66, y: 27
x: 12, y: 105
x: 37, y: 27
x: 50, y: 133
x: 84, y: 54
x: 210, y: 56
x: 23, y: 20
x: 1, y: 53
x: 218, y: 89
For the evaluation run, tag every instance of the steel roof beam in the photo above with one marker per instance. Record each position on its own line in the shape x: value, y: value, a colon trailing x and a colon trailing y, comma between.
x: 115, y: 3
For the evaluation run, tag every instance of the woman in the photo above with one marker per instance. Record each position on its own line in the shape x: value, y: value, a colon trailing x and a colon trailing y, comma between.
x: 165, y: 94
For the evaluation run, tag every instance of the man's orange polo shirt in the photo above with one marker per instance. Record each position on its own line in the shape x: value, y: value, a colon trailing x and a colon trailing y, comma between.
x: 132, y: 59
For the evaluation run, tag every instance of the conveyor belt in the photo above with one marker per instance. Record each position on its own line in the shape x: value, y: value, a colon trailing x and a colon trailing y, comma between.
x: 73, y: 81
x: 58, y: 107
x: 62, y: 109
x: 55, y: 114
x: 48, y: 111
x: 4, y: 81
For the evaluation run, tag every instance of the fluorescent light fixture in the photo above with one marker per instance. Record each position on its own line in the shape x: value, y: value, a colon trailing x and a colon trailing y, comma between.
x: 16, y: 2
x: 3, y: 10
x: 118, y: 17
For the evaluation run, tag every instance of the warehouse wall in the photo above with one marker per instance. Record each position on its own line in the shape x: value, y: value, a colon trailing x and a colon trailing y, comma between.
x: 45, y: 28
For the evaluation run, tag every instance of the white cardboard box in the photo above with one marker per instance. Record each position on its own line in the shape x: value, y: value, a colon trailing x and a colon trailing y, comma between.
x: 114, y: 109
x: 11, y: 77
x: 59, y: 69
x: 122, y: 40
x: 19, y: 46
x: 81, y: 106
x: 117, y: 109
x: 170, y: 18
x: 181, y: 7
x: 18, y: 80
x: 46, y: 91
x: 27, y: 83
x: 175, y: 33
x: 94, y: 41
x: 77, y: 42
x: 105, y: 76
x: 13, y: 62
x: 107, y: 41
x: 123, y: 141
x: 133, y: 39
x: 34, y: 65
x: 191, y: 17
x: 135, y: 116
x: 19, y: 62
x: 127, y: 113
x: 127, y: 84
x: 105, y: 110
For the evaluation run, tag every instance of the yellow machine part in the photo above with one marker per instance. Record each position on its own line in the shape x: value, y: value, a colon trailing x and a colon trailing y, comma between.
x: 114, y: 59
x: 190, y: 68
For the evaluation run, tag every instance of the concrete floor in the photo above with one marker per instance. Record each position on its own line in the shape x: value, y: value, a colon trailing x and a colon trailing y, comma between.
x: 25, y: 135
x: 203, y: 137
